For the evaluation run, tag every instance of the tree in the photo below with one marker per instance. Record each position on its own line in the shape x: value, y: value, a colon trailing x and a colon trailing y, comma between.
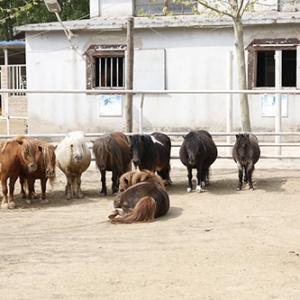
x: 233, y: 9
x: 19, y: 12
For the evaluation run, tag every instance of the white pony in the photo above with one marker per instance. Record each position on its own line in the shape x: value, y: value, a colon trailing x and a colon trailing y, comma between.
x: 73, y: 157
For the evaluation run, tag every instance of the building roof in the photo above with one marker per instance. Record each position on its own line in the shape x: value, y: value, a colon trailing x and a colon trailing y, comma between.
x: 12, y: 44
x: 117, y: 23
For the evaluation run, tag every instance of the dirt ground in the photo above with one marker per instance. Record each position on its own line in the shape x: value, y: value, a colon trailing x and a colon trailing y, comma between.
x: 219, y: 244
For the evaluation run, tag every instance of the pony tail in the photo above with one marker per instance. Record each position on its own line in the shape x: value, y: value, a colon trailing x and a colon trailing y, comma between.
x: 143, y: 212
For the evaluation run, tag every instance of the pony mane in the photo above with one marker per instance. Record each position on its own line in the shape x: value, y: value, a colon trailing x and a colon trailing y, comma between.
x: 194, y: 141
x: 107, y: 146
x: 64, y: 148
x: 149, y: 145
x: 29, y: 145
x: 131, y: 178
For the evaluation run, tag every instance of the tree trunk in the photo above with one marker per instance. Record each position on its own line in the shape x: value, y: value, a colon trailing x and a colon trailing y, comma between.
x: 129, y: 75
x: 240, y: 54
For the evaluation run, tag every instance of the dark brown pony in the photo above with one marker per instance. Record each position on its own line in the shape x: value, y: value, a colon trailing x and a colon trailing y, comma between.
x: 246, y: 153
x: 45, y: 170
x: 141, y: 202
x: 198, y: 151
x: 152, y: 152
x: 17, y: 156
x: 111, y: 153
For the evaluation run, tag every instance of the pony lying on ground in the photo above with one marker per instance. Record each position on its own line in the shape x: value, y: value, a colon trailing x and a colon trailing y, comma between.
x: 245, y: 153
x: 111, y: 153
x: 152, y: 152
x: 198, y: 151
x: 141, y: 202
x: 73, y: 157
x: 17, y: 156
x: 45, y: 170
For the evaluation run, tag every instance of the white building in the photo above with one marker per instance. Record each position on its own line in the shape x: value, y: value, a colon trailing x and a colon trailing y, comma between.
x: 182, y: 52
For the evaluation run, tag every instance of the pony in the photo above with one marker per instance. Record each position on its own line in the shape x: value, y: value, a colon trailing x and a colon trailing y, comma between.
x: 198, y: 151
x: 18, y: 156
x: 152, y: 152
x: 73, y: 157
x: 246, y: 153
x: 111, y: 152
x: 45, y: 170
x: 141, y: 202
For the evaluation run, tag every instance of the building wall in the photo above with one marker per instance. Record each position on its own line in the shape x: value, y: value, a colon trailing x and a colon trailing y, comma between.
x: 194, y: 59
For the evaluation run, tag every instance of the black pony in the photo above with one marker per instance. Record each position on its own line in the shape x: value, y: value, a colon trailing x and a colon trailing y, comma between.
x: 152, y: 152
x: 198, y: 151
x: 246, y: 153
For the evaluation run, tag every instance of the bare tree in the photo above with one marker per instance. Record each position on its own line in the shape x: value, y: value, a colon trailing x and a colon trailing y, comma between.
x: 233, y: 9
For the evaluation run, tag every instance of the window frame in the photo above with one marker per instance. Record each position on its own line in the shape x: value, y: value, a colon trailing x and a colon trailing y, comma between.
x: 152, y: 4
x: 267, y: 45
x: 102, y: 51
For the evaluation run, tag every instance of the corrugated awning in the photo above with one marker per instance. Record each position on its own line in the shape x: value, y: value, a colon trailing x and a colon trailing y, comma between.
x: 12, y: 44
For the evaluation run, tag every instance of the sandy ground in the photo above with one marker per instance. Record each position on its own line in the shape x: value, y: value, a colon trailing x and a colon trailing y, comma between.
x: 219, y: 244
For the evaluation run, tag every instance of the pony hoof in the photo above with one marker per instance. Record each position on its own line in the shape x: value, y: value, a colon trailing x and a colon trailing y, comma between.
x: 43, y: 202
x: 238, y: 189
x: 189, y: 190
x: 113, y: 214
x: 4, y: 206
x: 11, y: 205
x: 198, y: 189
x: 203, y: 183
x: 69, y: 196
x: 28, y: 201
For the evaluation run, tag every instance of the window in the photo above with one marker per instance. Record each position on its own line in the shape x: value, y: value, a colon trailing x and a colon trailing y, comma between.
x: 105, y: 67
x: 261, y: 62
x: 156, y: 7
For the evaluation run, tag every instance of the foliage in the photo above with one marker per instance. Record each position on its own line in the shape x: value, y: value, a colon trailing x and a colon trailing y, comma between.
x: 19, y: 12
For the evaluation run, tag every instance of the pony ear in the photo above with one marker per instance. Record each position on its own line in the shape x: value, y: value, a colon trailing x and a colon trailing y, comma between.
x: 247, y: 135
x: 184, y: 136
x: 92, y: 141
x: 237, y: 135
x: 142, y: 137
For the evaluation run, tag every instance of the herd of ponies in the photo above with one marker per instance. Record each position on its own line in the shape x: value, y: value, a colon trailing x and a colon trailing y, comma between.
x: 140, y: 195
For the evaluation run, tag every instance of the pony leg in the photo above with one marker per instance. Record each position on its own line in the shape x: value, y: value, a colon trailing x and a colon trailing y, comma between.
x: 78, y: 187
x: 114, y: 179
x: 43, y: 187
x: 190, y: 183
x: 11, y: 202
x: 239, y: 186
x: 199, y: 179
x: 69, y: 188
x: 249, y: 176
x: 4, y: 204
x: 103, y: 181
x: 22, y: 183
x: 30, y: 184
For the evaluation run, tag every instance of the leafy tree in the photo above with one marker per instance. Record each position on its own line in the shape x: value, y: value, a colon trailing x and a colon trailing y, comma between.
x: 19, y: 12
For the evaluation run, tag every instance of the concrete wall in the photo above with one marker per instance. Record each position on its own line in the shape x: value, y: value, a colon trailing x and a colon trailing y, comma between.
x: 195, y: 59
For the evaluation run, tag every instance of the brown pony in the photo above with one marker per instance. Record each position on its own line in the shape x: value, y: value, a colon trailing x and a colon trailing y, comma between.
x: 245, y: 153
x: 141, y: 202
x: 111, y: 153
x: 17, y: 156
x: 130, y: 178
x: 45, y: 170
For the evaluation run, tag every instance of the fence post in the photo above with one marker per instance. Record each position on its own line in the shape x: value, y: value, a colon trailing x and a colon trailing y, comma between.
x: 229, y: 100
x: 278, y: 82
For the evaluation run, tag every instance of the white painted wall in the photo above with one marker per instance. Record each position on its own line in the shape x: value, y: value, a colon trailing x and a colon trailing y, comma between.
x: 195, y: 59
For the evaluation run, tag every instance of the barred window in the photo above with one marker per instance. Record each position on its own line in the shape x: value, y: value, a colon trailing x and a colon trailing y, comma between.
x: 105, y: 67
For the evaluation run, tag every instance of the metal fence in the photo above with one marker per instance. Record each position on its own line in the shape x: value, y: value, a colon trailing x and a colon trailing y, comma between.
x: 228, y: 136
